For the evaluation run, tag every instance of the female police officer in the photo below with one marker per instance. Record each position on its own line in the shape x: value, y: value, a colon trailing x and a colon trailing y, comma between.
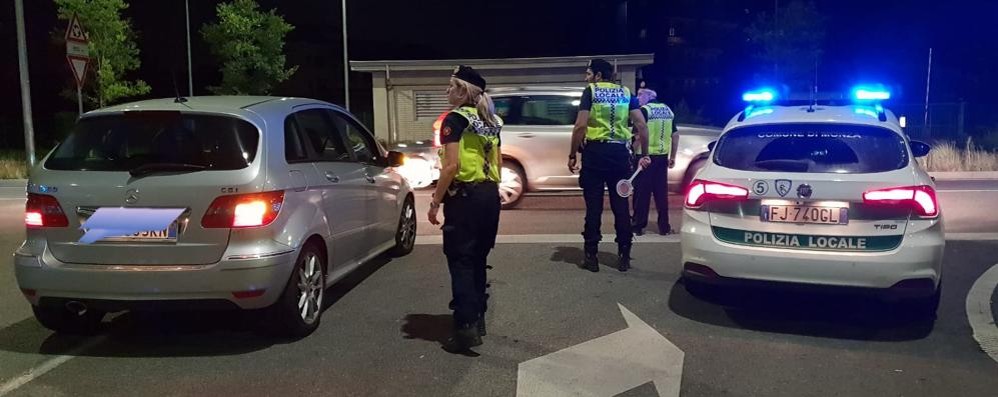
x: 468, y: 189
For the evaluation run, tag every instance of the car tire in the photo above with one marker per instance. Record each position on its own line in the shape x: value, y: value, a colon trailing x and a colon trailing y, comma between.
x: 405, y: 235
x: 61, y: 320
x: 512, y: 186
x: 286, y: 318
x: 691, y: 173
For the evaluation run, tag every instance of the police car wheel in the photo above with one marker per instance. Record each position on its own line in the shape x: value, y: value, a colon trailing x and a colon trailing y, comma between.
x: 405, y: 236
x: 512, y: 185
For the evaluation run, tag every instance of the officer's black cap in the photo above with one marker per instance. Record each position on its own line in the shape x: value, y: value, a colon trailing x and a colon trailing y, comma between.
x: 599, y: 66
x: 470, y: 76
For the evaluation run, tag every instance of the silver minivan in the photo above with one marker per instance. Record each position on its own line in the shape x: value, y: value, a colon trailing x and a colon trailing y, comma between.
x: 271, y: 201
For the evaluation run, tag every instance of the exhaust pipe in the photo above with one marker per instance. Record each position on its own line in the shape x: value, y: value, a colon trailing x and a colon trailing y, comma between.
x: 76, y: 307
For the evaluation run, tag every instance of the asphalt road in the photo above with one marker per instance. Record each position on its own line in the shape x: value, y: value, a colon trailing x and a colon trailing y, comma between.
x: 382, y: 330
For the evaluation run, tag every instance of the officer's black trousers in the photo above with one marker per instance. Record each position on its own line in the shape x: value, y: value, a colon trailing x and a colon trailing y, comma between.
x: 603, y: 165
x: 652, y: 180
x: 471, y: 221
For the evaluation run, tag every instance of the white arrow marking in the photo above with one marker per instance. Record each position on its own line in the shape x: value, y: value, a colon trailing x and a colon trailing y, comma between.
x: 979, y: 314
x: 606, y: 366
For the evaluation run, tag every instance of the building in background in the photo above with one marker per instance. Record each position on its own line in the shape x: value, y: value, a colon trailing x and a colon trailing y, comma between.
x: 408, y: 96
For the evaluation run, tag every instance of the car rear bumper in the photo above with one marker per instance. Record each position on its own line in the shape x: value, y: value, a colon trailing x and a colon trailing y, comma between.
x: 244, y: 283
x: 913, y: 268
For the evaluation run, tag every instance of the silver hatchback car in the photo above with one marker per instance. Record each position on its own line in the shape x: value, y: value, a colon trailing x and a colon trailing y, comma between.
x: 269, y: 201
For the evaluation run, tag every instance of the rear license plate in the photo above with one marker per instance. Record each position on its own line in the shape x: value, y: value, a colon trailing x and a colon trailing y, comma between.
x: 805, y: 214
x: 165, y: 235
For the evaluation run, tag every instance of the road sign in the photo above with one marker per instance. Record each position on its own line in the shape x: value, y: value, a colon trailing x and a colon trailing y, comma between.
x: 77, y: 49
x: 606, y: 366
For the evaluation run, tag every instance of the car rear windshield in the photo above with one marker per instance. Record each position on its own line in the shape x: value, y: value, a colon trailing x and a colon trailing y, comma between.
x: 126, y: 141
x: 812, y: 148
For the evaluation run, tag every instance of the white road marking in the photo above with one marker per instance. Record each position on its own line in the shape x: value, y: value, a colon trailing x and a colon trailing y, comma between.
x: 979, y: 313
x: 46, y: 366
x: 551, y: 239
x: 606, y: 366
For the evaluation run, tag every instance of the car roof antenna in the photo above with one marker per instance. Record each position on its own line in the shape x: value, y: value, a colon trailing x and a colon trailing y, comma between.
x: 814, y: 90
x: 179, y: 99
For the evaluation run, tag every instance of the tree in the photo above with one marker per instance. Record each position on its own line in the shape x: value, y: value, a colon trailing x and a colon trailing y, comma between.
x: 250, y: 45
x: 790, y: 41
x: 113, y: 52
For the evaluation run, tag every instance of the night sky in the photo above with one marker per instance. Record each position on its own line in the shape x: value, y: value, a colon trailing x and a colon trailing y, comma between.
x: 886, y: 40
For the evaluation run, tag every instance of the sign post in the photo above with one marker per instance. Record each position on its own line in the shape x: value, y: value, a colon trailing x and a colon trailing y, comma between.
x: 78, y: 55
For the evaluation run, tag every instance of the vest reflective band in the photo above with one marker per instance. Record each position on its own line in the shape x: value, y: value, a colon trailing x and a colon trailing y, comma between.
x: 479, y: 152
x: 610, y: 113
x: 660, y: 121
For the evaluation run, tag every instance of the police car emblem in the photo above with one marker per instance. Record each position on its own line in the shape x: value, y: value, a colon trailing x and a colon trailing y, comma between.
x: 760, y: 188
x: 783, y: 187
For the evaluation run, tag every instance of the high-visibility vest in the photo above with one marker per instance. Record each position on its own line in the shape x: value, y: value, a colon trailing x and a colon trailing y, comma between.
x: 609, y: 113
x: 660, y: 122
x: 479, y: 151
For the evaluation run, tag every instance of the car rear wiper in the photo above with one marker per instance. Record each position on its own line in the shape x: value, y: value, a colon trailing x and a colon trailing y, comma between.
x: 152, y: 168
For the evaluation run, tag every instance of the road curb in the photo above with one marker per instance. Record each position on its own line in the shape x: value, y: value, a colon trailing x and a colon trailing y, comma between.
x: 13, y: 182
x: 958, y: 176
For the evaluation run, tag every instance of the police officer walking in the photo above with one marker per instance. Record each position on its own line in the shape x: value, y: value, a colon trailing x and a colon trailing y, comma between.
x: 469, y: 191
x: 602, y: 135
x: 662, y: 145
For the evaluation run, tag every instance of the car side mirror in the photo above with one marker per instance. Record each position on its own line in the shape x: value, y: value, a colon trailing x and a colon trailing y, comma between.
x: 920, y: 149
x: 395, y: 159
x: 710, y: 146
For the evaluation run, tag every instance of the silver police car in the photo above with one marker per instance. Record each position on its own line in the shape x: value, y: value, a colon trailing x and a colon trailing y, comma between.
x: 268, y: 201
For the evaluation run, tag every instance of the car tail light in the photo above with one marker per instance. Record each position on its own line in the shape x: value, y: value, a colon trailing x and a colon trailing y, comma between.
x: 436, y: 129
x: 922, y: 199
x: 243, y: 210
x: 44, y: 211
x: 701, y: 191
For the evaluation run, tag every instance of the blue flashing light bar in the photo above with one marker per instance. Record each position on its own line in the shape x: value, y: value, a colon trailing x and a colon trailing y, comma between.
x: 870, y: 93
x: 759, y: 96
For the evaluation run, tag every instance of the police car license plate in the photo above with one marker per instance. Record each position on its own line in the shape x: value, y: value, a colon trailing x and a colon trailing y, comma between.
x: 805, y: 214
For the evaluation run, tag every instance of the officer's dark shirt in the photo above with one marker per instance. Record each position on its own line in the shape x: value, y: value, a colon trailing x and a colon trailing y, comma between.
x: 452, y: 127
x: 586, y: 103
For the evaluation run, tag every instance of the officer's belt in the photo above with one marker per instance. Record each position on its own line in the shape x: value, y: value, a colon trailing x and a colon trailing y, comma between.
x: 606, y: 141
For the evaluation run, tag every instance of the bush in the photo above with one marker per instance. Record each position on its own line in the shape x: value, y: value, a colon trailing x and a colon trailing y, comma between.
x: 946, y: 157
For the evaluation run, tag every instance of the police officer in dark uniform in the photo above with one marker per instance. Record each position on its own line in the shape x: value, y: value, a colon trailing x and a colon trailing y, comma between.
x: 469, y: 191
x: 603, y: 136
x: 662, y: 145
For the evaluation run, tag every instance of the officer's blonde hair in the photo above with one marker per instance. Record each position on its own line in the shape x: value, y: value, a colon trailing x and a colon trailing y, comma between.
x: 481, y: 99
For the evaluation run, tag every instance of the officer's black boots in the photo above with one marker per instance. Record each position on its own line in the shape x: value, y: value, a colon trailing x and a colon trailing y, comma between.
x: 464, y: 338
x: 591, y: 262
x: 624, y: 258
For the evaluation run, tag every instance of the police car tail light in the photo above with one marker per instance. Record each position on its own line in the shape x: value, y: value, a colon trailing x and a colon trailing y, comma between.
x: 243, y: 210
x: 922, y: 199
x: 701, y: 191
x: 43, y: 210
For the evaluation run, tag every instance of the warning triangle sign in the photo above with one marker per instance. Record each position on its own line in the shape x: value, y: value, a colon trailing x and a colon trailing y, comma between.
x: 79, y: 67
x: 75, y: 32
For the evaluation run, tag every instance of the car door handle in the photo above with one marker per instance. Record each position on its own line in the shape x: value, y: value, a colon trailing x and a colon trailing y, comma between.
x: 526, y: 136
x: 332, y: 177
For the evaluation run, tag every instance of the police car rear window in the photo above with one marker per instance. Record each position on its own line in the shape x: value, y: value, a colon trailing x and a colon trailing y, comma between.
x: 126, y: 141
x: 812, y: 148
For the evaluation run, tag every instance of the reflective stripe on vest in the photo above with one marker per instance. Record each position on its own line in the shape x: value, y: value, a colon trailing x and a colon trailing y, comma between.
x: 609, y: 113
x: 478, y: 148
x: 660, y: 122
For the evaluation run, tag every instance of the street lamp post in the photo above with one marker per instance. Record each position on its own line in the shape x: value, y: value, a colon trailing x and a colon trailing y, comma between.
x: 22, y: 63
x: 190, y: 70
x: 346, y: 61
